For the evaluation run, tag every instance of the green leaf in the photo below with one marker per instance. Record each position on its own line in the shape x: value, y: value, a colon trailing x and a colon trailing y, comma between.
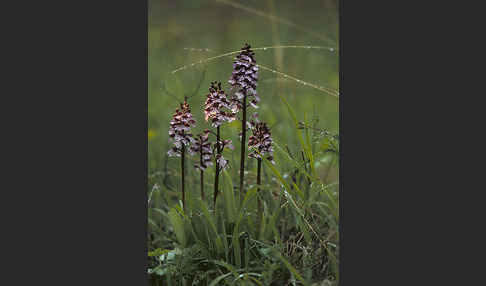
x: 210, y: 220
x: 157, y: 252
x: 230, y: 267
x: 159, y: 270
x: 248, y: 276
x: 219, y: 278
x: 296, y: 124
x: 178, y: 225
x: 291, y: 268
x: 236, y: 232
x: 308, y: 145
x: 293, y: 161
x: 225, y: 241
x: 229, y: 198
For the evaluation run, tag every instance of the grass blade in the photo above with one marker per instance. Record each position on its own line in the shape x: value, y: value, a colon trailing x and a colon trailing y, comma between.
x: 291, y: 268
x: 229, y: 198
x: 178, y: 225
x: 219, y: 278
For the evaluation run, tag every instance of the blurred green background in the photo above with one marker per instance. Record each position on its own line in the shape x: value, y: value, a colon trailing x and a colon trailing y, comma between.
x: 176, y: 27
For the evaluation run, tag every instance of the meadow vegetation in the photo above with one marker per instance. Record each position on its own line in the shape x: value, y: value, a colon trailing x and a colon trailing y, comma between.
x: 277, y: 222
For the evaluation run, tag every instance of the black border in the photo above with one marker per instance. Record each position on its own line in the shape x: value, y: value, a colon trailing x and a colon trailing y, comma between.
x: 79, y: 151
x: 78, y: 145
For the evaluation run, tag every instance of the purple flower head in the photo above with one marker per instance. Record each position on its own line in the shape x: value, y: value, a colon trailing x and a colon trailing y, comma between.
x: 261, y: 140
x: 180, y: 130
x: 203, y: 147
x: 244, y: 79
x: 216, y: 102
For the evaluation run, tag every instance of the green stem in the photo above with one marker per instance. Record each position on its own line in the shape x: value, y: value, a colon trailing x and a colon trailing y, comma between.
x: 243, y: 146
x: 216, y: 178
x: 182, y: 177
x: 202, y: 174
x: 259, y: 171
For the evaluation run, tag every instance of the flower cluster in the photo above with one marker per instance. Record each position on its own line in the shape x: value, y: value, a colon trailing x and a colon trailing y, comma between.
x: 244, y: 77
x: 180, y: 129
x: 260, y: 140
x: 215, y: 102
x: 219, y: 158
x: 203, y: 147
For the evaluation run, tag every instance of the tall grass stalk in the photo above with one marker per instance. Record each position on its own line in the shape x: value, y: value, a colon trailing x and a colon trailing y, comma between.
x: 274, y: 18
x: 327, y: 90
x: 330, y: 49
